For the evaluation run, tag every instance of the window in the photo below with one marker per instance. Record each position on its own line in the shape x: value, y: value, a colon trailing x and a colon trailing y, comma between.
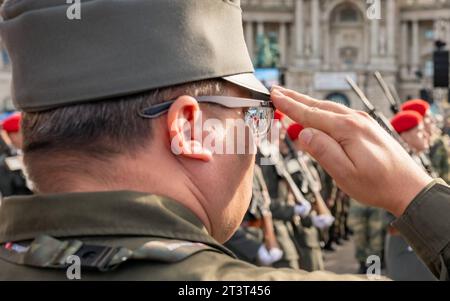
x: 5, y: 57
x: 429, y: 68
x: 348, y: 55
x: 429, y: 34
x: 339, y: 98
x: 348, y: 15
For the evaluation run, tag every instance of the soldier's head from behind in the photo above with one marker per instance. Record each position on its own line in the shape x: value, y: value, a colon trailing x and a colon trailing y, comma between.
x: 410, y: 126
x: 113, y: 105
x: 11, y: 127
x: 423, y: 108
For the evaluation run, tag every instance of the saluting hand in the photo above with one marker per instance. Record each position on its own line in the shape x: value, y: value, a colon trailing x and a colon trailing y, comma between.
x: 365, y: 161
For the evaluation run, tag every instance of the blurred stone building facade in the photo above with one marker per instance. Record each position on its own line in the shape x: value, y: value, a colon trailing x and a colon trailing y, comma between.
x: 322, y: 41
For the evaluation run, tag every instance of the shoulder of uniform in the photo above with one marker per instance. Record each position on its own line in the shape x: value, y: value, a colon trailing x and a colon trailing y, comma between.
x: 219, y: 267
x: 49, y: 252
x: 169, y: 250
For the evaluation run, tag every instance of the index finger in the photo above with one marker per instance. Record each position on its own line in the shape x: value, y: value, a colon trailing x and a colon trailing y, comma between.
x: 309, y: 101
x: 309, y: 117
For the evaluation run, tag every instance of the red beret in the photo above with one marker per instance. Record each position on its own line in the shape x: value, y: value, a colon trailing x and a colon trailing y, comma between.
x: 406, y: 120
x: 278, y: 115
x: 12, y: 123
x: 294, y: 130
x: 418, y: 105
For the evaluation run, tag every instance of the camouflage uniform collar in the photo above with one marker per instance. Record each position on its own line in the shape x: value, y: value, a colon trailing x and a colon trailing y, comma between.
x: 99, y: 214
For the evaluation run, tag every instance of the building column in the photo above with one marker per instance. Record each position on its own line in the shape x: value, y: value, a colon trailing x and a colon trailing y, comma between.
x: 404, y: 55
x: 326, y: 48
x: 282, y: 41
x: 249, y: 38
x: 299, y: 29
x: 315, y: 29
x: 374, y: 35
x: 366, y: 48
x: 415, y: 55
x: 390, y: 24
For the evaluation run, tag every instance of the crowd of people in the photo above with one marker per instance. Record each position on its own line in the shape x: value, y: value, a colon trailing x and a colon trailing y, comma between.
x: 303, y: 232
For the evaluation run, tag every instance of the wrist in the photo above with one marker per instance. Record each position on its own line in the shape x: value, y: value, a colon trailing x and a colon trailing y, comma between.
x: 410, y: 192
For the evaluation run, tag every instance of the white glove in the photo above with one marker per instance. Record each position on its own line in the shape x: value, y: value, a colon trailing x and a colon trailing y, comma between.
x: 266, y: 257
x: 322, y: 221
x: 276, y: 254
x: 302, y: 210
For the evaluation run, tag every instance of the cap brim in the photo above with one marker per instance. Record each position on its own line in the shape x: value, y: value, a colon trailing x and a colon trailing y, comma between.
x: 249, y: 82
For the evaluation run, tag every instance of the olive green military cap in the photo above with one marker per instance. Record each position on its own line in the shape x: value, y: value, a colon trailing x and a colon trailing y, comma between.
x: 120, y: 47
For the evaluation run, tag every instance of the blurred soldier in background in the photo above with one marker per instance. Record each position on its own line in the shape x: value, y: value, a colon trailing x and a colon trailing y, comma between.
x: 255, y: 240
x: 286, y: 209
x: 401, y: 261
x: 367, y: 225
x: 339, y: 204
x: 438, y: 142
x: 12, y: 178
x: 311, y: 229
x: 11, y: 132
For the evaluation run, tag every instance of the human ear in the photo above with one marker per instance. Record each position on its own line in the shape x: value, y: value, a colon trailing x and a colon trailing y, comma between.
x: 184, y: 122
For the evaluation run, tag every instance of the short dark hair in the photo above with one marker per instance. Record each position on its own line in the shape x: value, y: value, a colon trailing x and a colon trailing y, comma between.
x: 97, y: 130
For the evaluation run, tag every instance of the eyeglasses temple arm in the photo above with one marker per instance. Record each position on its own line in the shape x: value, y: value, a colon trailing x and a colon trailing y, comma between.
x: 156, y: 111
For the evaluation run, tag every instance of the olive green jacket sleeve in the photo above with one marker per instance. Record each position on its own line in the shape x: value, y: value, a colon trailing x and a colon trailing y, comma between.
x: 425, y: 224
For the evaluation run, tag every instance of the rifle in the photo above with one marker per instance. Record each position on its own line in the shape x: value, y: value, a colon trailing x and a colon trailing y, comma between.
x: 269, y: 233
x: 395, y: 108
x: 384, y: 122
x: 377, y: 115
x: 313, y: 183
x: 280, y: 166
x: 393, y: 101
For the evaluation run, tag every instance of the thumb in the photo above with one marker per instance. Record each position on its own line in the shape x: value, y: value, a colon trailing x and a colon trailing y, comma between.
x: 327, y: 151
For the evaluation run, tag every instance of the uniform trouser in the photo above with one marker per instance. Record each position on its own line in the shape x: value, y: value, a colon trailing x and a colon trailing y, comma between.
x: 402, y: 263
x: 246, y: 242
x: 286, y: 263
x: 367, y: 225
x: 311, y: 259
x: 338, y: 219
x: 284, y: 234
x: 306, y: 239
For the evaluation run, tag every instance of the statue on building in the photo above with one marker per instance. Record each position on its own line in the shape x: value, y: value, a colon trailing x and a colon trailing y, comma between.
x: 268, y: 55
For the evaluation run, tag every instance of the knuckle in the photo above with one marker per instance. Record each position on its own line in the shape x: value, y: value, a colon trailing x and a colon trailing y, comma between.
x: 350, y: 122
x: 365, y: 121
x: 309, y: 114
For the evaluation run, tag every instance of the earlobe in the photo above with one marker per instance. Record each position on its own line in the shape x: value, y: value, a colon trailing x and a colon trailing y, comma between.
x: 184, y: 122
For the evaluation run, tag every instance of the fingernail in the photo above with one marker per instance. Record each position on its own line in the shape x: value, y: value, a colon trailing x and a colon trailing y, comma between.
x: 306, y: 136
